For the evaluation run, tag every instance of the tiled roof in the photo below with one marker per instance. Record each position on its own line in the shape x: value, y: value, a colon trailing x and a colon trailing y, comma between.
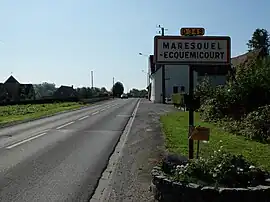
x: 66, y: 90
x: 242, y: 59
x: 11, y: 79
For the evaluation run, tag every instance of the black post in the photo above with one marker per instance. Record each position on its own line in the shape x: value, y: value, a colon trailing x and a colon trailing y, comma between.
x: 198, y: 149
x: 163, y: 84
x: 191, y: 111
x: 163, y: 74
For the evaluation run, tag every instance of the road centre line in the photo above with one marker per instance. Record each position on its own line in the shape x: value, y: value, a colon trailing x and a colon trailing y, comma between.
x: 59, y: 127
x: 103, y: 109
x: 94, y: 113
x: 82, y: 118
x: 26, y: 140
x: 65, y: 125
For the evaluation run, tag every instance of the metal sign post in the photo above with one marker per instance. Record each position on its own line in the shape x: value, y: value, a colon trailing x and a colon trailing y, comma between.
x: 191, y: 113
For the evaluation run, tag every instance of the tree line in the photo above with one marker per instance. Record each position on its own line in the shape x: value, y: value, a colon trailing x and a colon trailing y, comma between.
x: 46, y: 89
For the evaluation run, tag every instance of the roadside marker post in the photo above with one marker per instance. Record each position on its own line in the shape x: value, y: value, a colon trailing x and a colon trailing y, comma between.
x: 204, y: 54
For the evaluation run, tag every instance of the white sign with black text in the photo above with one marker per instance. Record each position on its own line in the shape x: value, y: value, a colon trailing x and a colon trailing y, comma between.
x: 192, y: 50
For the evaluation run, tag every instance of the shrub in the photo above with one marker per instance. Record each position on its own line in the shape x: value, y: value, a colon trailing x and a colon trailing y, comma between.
x: 211, y: 110
x: 221, y: 170
x: 204, y: 90
x: 256, y: 125
x: 239, y: 96
x: 252, y: 81
x: 230, y: 125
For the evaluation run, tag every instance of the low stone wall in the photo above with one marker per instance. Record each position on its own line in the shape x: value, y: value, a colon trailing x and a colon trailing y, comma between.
x: 165, y: 190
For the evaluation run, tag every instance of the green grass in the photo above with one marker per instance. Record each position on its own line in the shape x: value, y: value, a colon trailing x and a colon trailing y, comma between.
x: 14, y: 113
x: 175, y: 127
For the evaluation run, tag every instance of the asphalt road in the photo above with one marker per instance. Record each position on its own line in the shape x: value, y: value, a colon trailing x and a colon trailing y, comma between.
x: 60, y: 158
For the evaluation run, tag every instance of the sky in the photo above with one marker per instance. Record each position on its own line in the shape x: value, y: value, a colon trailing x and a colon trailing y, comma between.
x: 62, y: 41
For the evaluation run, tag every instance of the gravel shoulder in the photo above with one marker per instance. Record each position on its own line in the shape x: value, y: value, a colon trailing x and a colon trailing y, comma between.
x: 143, y: 149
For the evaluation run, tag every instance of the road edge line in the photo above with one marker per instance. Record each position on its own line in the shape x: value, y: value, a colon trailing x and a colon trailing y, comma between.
x: 103, y: 190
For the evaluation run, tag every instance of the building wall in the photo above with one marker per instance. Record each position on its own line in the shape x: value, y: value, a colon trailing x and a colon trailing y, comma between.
x: 176, y: 75
x: 156, y: 87
x: 215, y: 80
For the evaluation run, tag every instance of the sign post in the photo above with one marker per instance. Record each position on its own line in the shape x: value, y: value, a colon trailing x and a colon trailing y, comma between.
x: 196, y: 51
x: 190, y: 113
x: 200, y: 134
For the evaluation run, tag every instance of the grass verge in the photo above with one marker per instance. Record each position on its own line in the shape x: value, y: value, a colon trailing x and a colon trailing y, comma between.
x: 175, y: 128
x: 15, y: 113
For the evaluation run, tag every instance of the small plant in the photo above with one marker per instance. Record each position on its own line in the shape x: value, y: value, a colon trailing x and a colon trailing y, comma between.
x: 221, y: 169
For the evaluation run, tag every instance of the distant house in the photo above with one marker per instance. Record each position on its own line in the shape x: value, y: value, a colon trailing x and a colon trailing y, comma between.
x: 247, y: 57
x: 65, y: 92
x: 12, y: 90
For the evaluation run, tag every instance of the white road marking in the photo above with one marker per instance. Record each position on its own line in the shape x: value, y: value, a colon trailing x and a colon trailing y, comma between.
x: 82, y: 118
x: 24, y: 141
x: 95, y: 113
x: 65, y: 125
x: 123, y: 115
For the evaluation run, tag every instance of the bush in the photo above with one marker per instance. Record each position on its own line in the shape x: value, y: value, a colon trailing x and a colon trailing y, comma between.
x: 211, y: 110
x: 221, y: 170
x: 256, y: 125
x: 230, y: 125
x: 204, y: 90
x: 240, y: 95
x: 252, y: 82
x: 242, y: 106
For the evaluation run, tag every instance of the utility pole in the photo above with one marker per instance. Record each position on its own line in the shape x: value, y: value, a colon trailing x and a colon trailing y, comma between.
x: 162, y: 32
x: 92, y: 79
x: 113, y: 87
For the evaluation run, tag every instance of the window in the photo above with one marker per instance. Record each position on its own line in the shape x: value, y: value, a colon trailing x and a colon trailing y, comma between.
x: 182, y: 88
x: 175, y: 89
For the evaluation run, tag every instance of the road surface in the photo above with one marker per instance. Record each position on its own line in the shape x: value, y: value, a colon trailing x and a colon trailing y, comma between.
x: 60, y: 158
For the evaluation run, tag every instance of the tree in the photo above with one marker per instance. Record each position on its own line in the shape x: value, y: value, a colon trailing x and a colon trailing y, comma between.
x: 138, y: 93
x: 260, y: 39
x: 103, y: 90
x: 118, y: 89
x: 44, y: 89
x: 91, y: 92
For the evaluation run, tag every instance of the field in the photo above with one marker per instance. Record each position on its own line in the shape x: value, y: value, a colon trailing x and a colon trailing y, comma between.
x: 23, y: 112
x: 175, y: 127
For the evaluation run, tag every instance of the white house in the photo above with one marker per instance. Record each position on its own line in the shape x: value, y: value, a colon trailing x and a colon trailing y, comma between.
x: 176, y: 76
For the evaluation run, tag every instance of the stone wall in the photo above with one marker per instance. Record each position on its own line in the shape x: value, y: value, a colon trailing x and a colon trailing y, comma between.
x: 166, y: 190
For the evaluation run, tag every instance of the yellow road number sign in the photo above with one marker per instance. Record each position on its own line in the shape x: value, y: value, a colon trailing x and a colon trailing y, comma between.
x: 192, y: 31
